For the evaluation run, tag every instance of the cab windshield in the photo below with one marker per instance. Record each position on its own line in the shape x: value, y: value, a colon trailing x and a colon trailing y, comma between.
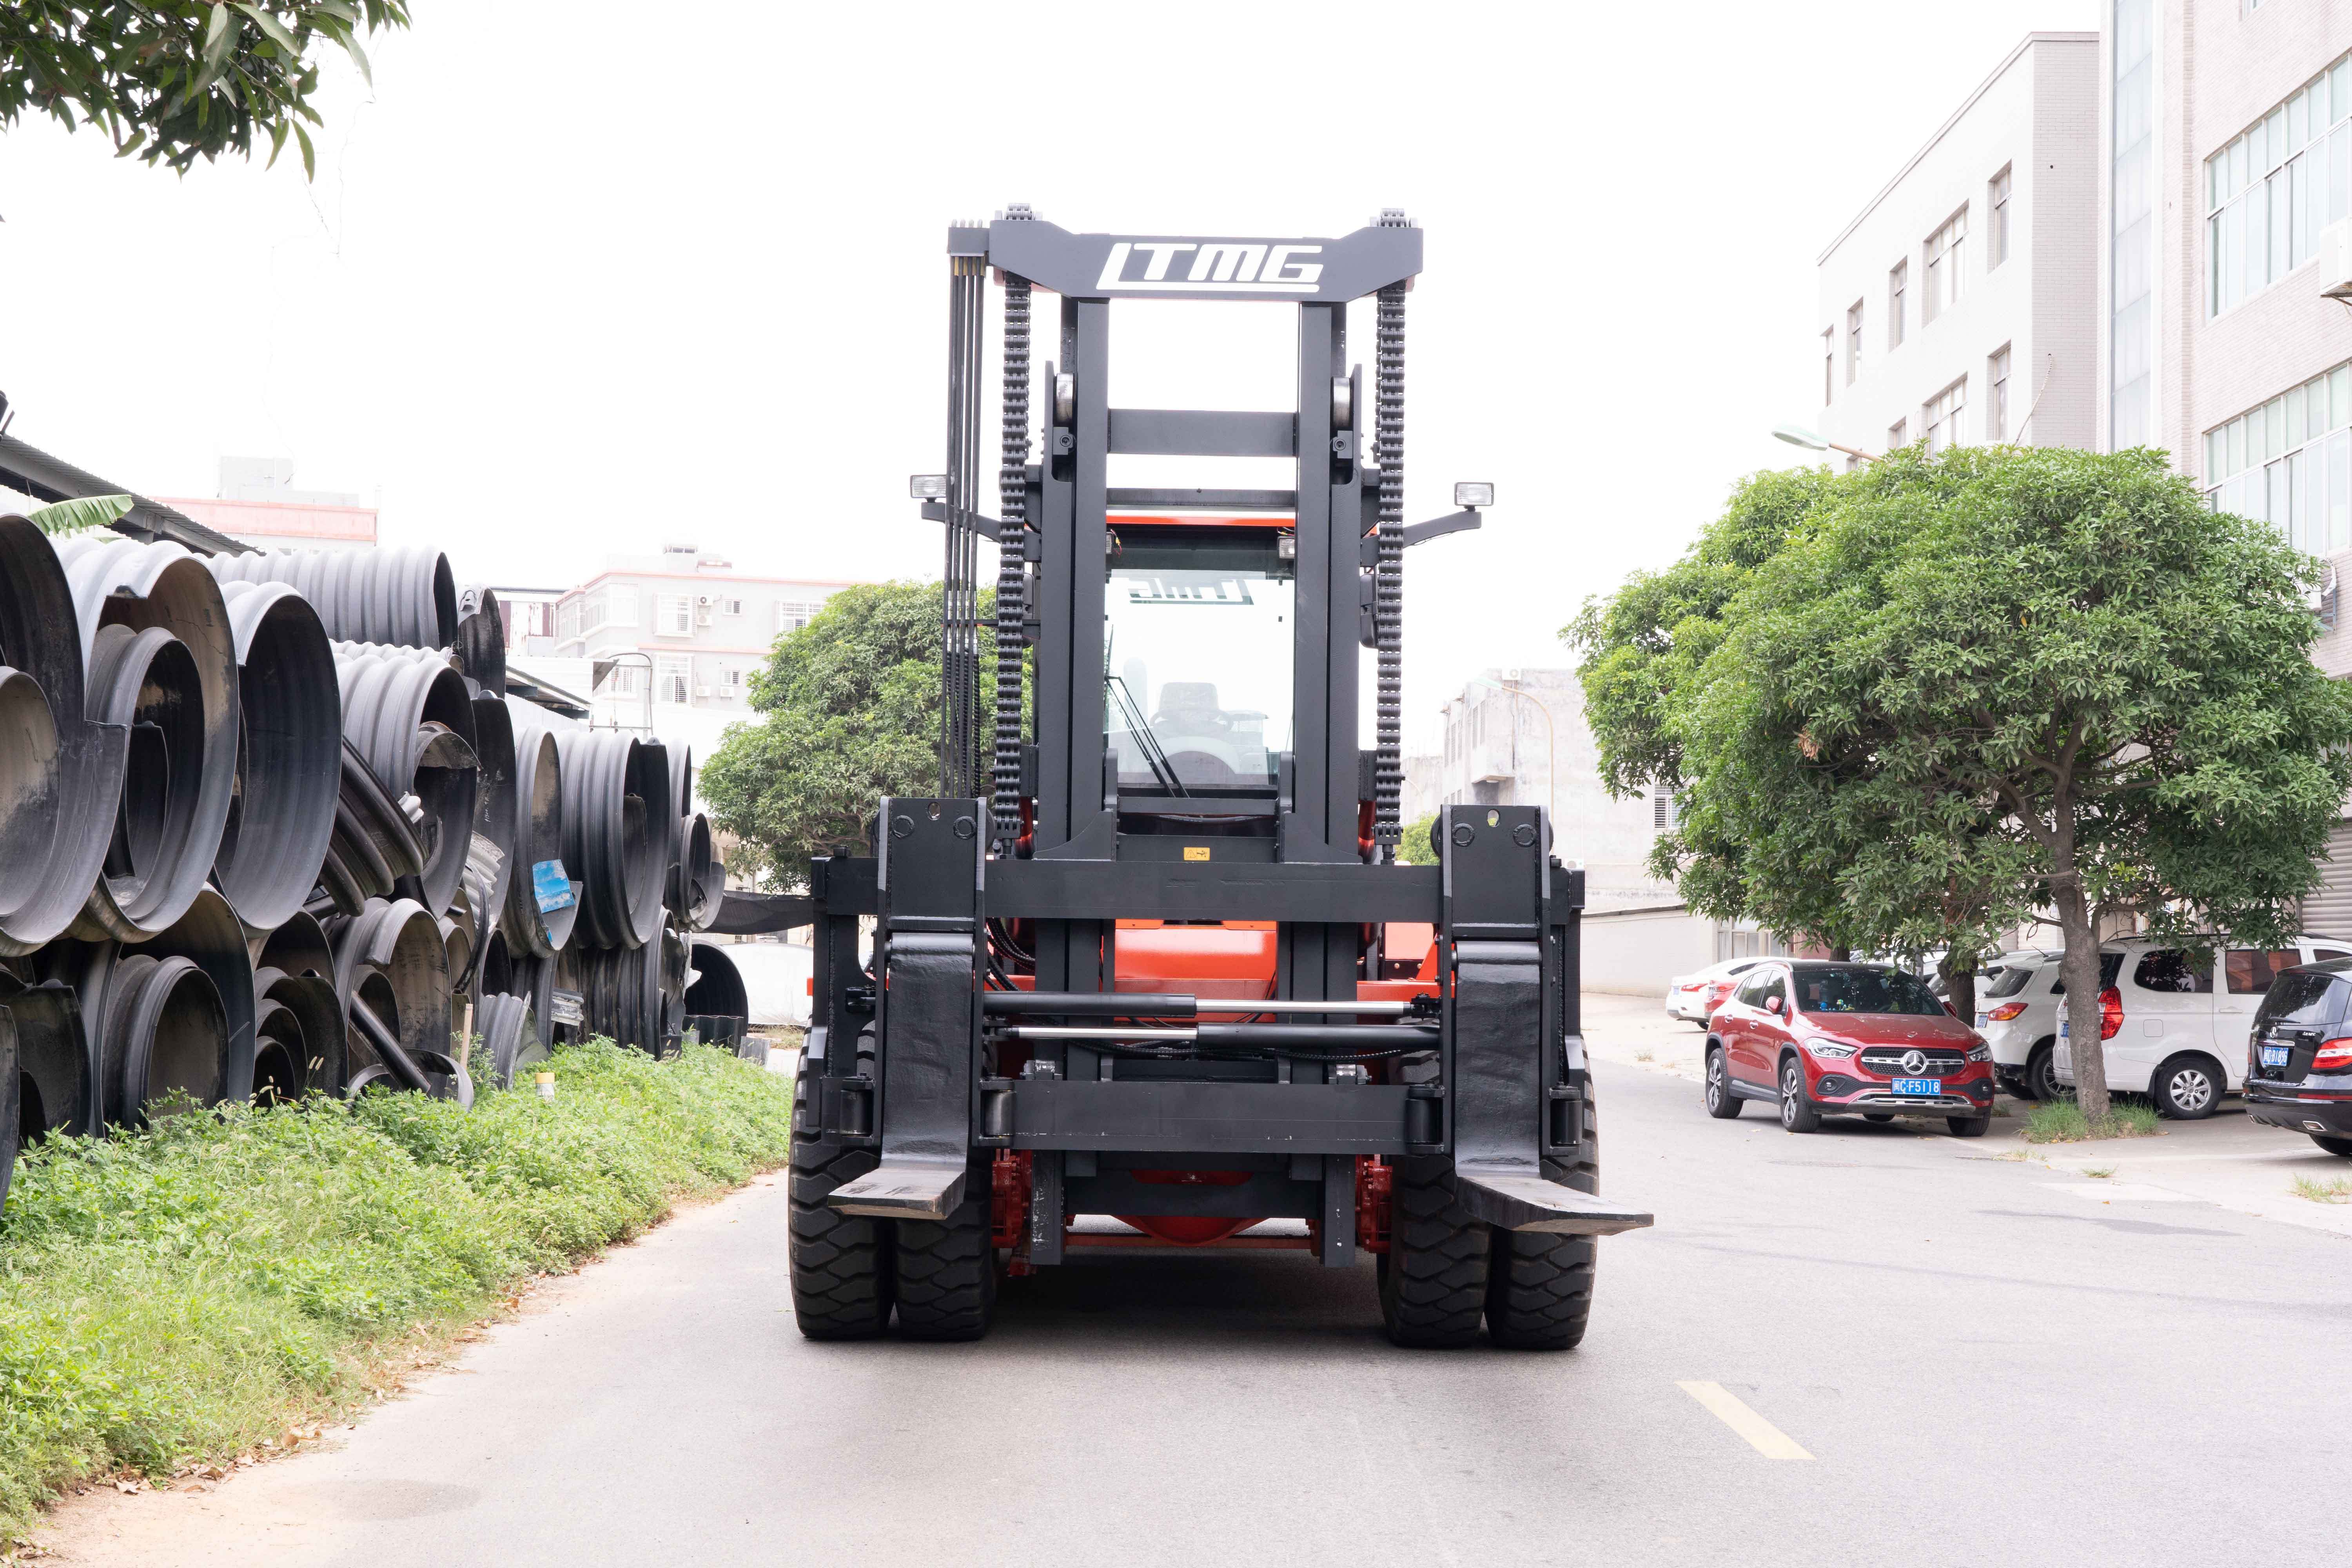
x: 1866, y: 991
x: 1196, y: 675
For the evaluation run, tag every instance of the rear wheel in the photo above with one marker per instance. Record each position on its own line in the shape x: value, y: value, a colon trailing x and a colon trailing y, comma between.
x: 2188, y: 1088
x: 2339, y: 1146
x: 2042, y: 1072
x: 1433, y: 1275
x: 1797, y: 1113
x: 1540, y: 1286
x: 1721, y: 1103
x: 946, y: 1269
x: 840, y: 1263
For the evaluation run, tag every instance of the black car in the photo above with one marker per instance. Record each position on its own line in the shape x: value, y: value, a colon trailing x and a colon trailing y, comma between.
x: 2299, y: 1060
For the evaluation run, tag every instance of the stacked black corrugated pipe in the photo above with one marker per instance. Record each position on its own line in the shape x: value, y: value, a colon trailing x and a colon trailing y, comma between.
x: 270, y: 825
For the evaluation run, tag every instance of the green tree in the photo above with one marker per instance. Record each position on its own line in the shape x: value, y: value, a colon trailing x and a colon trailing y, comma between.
x: 849, y: 712
x: 1995, y: 682
x: 1412, y: 844
x: 175, y: 80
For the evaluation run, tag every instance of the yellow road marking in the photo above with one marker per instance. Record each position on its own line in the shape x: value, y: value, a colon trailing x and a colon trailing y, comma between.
x: 1762, y: 1436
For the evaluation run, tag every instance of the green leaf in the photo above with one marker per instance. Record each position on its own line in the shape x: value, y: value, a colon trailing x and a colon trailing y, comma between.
x: 59, y: 519
x: 277, y: 129
x: 309, y: 157
x: 274, y: 28
x: 351, y: 42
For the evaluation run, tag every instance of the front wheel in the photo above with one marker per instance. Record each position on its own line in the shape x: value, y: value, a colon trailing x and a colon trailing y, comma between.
x: 840, y: 1263
x: 1434, y: 1275
x: 1969, y: 1126
x: 2188, y: 1088
x: 1797, y: 1113
x: 1538, y: 1285
x: 1721, y: 1103
x: 946, y: 1268
x: 2341, y: 1147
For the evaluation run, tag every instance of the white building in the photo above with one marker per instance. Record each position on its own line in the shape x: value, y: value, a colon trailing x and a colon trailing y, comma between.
x: 1518, y: 737
x: 1960, y: 305
x: 258, y: 505
x: 681, y: 630
x: 2226, y: 150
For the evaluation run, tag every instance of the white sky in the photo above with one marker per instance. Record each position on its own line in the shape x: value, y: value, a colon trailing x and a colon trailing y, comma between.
x: 575, y: 278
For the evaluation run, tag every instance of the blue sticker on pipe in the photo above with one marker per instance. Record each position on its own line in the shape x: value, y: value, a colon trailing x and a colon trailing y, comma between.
x: 551, y: 887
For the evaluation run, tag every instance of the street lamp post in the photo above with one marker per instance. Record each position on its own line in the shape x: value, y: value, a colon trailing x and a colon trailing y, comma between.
x: 1798, y: 435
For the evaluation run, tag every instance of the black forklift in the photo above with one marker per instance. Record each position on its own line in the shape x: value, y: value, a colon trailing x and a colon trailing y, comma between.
x: 1146, y: 973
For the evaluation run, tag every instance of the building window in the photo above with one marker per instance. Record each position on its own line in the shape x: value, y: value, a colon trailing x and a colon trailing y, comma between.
x: 567, y: 619
x: 1829, y: 363
x: 1852, y: 342
x: 674, y: 615
x: 1665, y: 809
x: 2131, y: 199
x: 2289, y: 463
x: 731, y: 682
x: 1946, y: 255
x: 673, y: 679
x: 1997, y: 409
x: 1941, y: 415
x: 1898, y: 283
x: 2270, y: 192
x: 1898, y: 434
x: 623, y: 679
x: 731, y: 607
x: 791, y: 614
x: 1997, y: 209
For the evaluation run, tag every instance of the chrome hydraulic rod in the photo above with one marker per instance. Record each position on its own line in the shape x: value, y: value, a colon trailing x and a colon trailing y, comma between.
x: 1401, y: 1037
x: 1136, y: 1004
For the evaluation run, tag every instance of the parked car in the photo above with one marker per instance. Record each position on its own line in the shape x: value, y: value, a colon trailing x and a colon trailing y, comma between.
x: 2299, y: 1055
x: 1820, y: 1038
x: 1692, y: 997
x: 2017, y: 1013
x: 2171, y: 1032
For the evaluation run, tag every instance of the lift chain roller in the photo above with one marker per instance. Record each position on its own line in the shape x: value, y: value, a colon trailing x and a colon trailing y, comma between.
x: 960, y: 599
x: 1388, y: 576
x: 1011, y: 568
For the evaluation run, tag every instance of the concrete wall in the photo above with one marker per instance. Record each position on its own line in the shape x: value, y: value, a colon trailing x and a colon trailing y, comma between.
x: 1634, y: 952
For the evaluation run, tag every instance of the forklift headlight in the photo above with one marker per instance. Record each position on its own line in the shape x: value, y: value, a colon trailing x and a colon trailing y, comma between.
x: 1470, y: 494
x: 928, y: 487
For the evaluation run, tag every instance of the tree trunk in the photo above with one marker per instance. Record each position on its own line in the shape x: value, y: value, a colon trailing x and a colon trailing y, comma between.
x: 1959, y: 972
x: 1842, y: 954
x: 2079, y: 968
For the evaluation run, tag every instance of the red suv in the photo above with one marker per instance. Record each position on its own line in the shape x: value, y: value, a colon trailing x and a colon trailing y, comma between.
x: 1820, y: 1038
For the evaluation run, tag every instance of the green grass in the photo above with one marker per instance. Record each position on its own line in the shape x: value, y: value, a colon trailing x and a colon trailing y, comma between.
x: 2335, y: 1191
x: 2063, y: 1121
x: 170, y: 1299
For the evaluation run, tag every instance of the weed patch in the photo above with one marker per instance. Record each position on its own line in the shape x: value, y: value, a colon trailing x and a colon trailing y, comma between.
x: 2063, y: 1121
x: 171, y: 1298
x: 2334, y: 1191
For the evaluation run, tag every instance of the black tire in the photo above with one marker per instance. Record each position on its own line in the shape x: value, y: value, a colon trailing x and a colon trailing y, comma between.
x: 2188, y: 1088
x: 2337, y: 1146
x: 1540, y: 1286
x: 840, y: 1263
x: 946, y: 1269
x: 1434, y: 1275
x: 1721, y: 1103
x: 1797, y: 1113
x: 1969, y: 1126
x: 2042, y: 1072
x: 1878, y: 1116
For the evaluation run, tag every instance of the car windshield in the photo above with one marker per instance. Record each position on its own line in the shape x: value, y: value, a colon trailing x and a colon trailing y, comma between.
x: 2010, y: 979
x: 1866, y: 991
x: 2302, y: 999
x: 1197, y: 677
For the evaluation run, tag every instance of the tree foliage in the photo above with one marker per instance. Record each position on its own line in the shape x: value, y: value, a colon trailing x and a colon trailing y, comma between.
x: 1412, y: 843
x: 849, y: 712
x: 175, y: 80
x: 1967, y: 688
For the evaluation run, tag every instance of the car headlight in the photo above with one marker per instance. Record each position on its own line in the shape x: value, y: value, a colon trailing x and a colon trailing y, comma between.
x: 1980, y: 1054
x: 1830, y: 1049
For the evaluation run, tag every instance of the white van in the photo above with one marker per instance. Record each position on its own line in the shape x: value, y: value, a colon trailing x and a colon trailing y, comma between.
x: 2175, y: 1018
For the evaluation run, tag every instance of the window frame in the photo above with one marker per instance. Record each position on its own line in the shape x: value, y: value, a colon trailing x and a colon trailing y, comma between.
x: 1943, y: 264
x: 1898, y: 284
x: 1857, y: 322
x: 1998, y: 192
x: 1997, y: 371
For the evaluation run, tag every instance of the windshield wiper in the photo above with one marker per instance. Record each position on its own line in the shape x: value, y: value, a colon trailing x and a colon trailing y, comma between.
x: 1144, y: 739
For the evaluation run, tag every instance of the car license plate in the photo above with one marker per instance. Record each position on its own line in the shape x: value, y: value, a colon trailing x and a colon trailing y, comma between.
x: 1983, y: 1019
x: 2274, y: 1055
x: 1919, y: 1086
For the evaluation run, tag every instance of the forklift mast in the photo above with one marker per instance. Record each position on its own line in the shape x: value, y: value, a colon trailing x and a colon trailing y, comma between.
x: 1188, y: 828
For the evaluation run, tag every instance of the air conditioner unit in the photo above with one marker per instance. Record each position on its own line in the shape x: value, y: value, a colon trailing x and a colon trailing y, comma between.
x: 702, y: 601
x: 702, y: 691
x: 2336, y: 260
x: 2320, y: 597
x: 1515, y: 675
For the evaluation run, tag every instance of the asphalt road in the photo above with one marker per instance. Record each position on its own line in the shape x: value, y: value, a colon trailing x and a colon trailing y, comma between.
x: 1984, y: 1360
